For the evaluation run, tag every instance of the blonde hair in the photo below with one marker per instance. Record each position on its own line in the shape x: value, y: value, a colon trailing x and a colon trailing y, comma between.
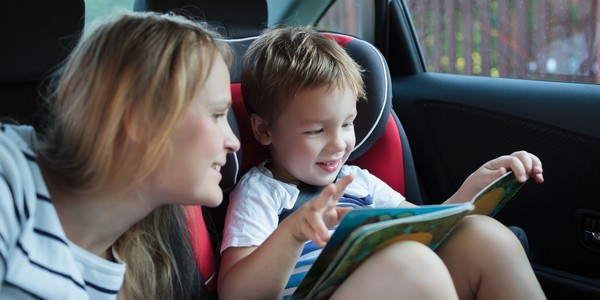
x: 285, y: 60
x: 139, y: 70
x: 117, y: 101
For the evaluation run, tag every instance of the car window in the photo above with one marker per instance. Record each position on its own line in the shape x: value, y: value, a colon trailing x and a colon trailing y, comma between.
x: 547, y: 40
x: 350, y: 16
x: 96, y: 10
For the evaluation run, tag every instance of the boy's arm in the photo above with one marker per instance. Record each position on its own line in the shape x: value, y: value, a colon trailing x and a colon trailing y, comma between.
x: 522, y: 163
x: 262, y: 272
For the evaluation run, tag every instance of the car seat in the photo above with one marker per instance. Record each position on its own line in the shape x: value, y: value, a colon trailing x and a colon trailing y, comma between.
x: 381, y: 145
x: 36, y: 38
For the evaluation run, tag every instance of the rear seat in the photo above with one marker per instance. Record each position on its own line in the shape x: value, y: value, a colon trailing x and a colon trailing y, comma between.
x: 36, y: 38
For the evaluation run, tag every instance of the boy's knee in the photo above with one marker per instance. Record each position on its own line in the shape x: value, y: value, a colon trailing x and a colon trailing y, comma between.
x: 404, y: 268
x: 415, y: 265
x: 484, y: 224
x: 483, y: 229
x: 406, y: 255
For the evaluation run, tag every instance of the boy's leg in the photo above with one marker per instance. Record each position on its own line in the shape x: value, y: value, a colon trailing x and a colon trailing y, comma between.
x: 407, y: 270
x: 487, y: 261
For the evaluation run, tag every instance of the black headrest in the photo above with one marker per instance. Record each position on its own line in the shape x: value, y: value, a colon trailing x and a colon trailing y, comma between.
x: 231, y: 18
x: 373, y: 113
x: 231, y: 170
x: 37, y: 36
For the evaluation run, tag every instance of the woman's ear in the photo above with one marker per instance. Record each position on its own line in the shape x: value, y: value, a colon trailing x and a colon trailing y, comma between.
x: 260, y: 128
x: 130, y: 127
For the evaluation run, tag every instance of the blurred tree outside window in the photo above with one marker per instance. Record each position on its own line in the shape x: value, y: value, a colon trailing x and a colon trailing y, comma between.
x: 354, y: 17
x: 534, y: 39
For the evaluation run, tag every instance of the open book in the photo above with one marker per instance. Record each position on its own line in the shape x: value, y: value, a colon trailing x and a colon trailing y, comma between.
x: 365, y: 230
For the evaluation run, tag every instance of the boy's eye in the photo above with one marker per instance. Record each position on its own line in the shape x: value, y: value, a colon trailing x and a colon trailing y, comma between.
x: 346, y: 125
x: 313, y: 132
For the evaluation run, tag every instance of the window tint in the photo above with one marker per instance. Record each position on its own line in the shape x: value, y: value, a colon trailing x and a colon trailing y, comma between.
x: 537, y: 39
x: 350, y: 16
x: 95, y: 10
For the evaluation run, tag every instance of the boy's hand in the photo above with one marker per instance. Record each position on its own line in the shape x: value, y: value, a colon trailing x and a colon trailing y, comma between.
x: 522, y: 163
x: 313, y: 219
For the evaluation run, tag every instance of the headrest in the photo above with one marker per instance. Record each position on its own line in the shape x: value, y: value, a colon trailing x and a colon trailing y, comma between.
x: 231, y: 171
x: 372, y: 115
x: 231, y: 18
x: 36, y: 37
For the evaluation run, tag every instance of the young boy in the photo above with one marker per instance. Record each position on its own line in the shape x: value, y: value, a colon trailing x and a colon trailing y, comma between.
x: 301, y: 90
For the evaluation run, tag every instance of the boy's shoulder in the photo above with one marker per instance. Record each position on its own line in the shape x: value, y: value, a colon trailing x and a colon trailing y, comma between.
x: 260, y: 177
x: 257, y: 172
x: 258, y: 184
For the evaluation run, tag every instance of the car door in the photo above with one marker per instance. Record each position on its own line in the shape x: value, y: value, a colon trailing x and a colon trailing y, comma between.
x: 456, y: 122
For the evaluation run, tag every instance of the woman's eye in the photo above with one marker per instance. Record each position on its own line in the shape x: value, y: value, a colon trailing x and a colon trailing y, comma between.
x: 220, y: 114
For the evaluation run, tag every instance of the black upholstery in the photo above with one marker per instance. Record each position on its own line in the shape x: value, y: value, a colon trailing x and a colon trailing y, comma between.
x: 371, y: 122
x: 36, y: 37
x: 231, y: 169
x: 231, y: 18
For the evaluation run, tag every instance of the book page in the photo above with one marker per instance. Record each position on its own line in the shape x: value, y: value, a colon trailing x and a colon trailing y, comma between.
x: 495, y: 195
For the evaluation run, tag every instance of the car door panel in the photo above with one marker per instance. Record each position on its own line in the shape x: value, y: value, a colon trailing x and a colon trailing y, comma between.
x: 455, y: 123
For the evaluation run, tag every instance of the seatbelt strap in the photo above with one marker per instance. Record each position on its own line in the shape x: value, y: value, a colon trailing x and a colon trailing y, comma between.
x: 307, y: 193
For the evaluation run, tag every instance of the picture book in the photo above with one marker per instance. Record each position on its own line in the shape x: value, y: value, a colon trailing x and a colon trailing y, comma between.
x: 365, y: 230
x: 495, y: 195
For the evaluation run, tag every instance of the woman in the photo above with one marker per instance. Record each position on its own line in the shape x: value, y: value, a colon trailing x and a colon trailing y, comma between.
x: 138, y: 129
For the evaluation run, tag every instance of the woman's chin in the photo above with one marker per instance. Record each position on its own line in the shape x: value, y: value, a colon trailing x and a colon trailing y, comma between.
x: 212, y: 200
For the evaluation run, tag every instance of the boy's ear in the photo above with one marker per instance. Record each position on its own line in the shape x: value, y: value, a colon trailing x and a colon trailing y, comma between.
x: 260, y: 128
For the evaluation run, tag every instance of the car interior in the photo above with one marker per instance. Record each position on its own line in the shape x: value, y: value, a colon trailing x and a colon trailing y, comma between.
x: 381, y: 148
x: 438, y: 113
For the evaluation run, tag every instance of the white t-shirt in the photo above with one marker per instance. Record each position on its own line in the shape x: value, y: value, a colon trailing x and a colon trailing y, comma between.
x: 258, y: 199
x: 37, y: 261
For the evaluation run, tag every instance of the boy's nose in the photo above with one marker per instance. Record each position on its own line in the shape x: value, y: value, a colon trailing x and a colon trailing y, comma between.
x: 336, y: 143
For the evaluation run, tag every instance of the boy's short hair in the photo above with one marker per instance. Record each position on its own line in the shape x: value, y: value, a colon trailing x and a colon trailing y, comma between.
x: 285, y: 60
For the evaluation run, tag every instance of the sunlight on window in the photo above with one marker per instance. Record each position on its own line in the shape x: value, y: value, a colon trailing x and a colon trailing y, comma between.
x: 96, y: 10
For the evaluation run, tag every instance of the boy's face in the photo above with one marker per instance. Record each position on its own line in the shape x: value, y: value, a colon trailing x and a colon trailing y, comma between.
x: 313, y: 136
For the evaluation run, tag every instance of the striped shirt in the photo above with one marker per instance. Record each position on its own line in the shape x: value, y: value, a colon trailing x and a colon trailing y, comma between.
x: 258, y: 199
x: 37, y: 261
